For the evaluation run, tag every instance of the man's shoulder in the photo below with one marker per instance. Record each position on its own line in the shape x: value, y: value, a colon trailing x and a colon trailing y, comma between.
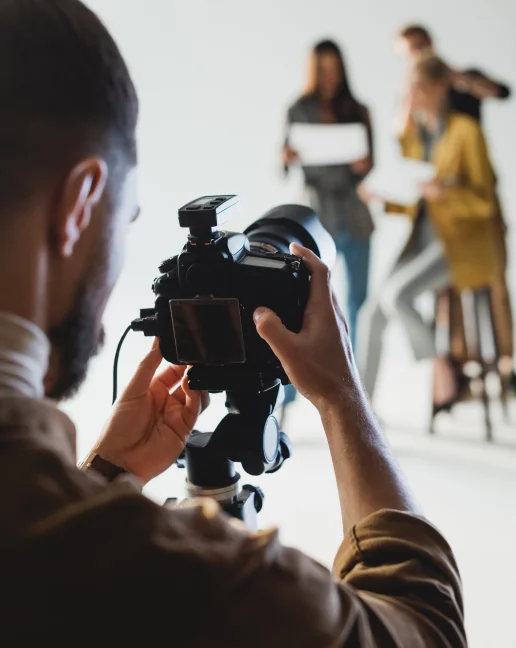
x: 117, y: 524
x: 115, y: 554
x: 112, y: 537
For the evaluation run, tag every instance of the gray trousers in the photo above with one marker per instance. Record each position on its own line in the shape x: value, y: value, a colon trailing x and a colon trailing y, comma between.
x: 415, y: 273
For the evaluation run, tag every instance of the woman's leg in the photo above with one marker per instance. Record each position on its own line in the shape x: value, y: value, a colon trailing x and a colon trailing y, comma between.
x: 371, y: 327
x: 290, y: 397
x: 356, y: 255
x: 427, y: 271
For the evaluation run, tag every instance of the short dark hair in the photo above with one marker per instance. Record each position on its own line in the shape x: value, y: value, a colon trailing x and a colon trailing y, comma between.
x: 416, y: 31
x: 65, y: 92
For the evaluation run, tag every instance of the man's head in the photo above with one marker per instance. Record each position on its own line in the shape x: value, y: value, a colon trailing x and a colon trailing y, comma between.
x: 413, y: 40
x: 68, y: 114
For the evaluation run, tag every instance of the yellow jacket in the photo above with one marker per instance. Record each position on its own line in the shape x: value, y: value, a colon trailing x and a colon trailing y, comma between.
x: 464, y: 217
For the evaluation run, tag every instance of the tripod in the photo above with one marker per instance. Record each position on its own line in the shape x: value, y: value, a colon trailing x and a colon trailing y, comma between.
x: 250, y: 435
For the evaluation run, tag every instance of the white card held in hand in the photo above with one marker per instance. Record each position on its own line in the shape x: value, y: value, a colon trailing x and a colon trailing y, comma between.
x: 329, y: 144
x: 400, y: 181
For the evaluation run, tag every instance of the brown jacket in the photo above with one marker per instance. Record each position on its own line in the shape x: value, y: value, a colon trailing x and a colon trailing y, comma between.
x: 464, y: 218
x: 86, y: 562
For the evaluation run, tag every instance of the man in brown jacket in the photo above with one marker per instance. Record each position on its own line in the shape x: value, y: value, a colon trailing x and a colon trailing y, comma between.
x: 86, y: 560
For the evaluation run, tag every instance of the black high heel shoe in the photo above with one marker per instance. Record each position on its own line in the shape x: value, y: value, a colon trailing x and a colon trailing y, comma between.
x: 443, y: 407
x: 462, y: 385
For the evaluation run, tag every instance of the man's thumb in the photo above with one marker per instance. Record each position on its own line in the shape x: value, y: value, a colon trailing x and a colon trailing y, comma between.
x: 143, y: 376
x: 272, y: 330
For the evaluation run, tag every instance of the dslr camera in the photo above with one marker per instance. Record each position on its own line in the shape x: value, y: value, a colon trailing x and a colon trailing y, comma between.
x: 206, y: 296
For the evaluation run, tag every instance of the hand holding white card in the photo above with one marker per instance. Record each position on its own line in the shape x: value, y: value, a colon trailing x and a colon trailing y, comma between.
x: 400, y: 182
x: 329, y: 144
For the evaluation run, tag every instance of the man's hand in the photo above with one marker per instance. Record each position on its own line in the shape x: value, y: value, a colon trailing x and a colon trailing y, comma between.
x: 152, y: 420
x: 318, y: 359
x: 319, y: 362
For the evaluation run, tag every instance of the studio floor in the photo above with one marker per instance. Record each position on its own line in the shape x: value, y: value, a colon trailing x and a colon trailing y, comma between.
x: 466, y: 487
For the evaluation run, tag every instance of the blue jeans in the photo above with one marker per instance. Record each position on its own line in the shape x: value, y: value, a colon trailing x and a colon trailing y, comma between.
x: 356, y: 253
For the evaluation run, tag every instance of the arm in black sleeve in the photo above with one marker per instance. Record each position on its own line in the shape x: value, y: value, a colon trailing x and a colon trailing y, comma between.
x: 483, y: 82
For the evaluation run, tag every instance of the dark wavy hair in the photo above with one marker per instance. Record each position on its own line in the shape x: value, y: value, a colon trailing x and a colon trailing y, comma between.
x: 346, y: 106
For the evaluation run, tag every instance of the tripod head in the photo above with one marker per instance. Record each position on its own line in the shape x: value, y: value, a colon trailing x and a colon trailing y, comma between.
x: 249, y: 434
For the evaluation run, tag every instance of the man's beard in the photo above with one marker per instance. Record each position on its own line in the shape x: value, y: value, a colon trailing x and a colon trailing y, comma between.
x: 74, y: 343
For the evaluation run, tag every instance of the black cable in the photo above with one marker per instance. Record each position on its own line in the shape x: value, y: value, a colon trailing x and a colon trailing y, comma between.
x: 115, y: 364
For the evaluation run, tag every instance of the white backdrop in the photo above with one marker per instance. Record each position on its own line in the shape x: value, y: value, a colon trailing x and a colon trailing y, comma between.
x: 215, y: 78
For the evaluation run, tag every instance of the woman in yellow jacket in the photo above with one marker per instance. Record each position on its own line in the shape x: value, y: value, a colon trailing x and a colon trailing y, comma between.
x: 452, y: 237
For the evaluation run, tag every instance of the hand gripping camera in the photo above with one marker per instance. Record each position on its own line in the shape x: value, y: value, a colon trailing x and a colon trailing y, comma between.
x: 203, y: 317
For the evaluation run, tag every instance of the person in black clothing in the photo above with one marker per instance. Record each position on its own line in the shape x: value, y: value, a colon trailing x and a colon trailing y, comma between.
x: 470, y: 88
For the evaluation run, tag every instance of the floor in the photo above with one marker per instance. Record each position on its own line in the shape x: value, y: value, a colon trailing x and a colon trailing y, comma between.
x: 465, y: 486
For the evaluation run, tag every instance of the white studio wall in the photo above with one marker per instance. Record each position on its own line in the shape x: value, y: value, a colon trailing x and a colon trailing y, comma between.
x: 215, y: 79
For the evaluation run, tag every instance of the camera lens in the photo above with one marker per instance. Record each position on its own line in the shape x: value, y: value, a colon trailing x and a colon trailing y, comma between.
x: 288, y: 224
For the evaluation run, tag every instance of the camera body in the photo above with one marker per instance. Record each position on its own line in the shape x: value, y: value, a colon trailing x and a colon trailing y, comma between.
x: 207, y: 295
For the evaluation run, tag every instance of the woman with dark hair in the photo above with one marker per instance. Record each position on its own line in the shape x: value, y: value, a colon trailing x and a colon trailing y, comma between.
x: 332, y: 190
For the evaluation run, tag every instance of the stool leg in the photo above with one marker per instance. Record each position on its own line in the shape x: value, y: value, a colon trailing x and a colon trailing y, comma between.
x: 487, y: 347
x: 503, y: 380
x: 504, y: 395
x: 486, y: 404
x: 431, y: 427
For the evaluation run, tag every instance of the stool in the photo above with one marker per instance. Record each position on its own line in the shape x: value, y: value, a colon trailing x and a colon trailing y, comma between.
x: 477, y: 323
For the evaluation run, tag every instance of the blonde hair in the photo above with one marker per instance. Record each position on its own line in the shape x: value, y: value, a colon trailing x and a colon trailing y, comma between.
x: 433, y: 69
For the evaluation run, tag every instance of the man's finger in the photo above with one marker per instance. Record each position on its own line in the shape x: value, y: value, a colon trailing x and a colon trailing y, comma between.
x: 272, y: 330
x: 193, y: 406
x: 181, y: 394
x: 171, y: 376
x: 320, y: 290
x: 143, y: 376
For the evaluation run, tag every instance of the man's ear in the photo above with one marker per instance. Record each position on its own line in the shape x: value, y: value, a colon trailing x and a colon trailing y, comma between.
x: 83, y: 188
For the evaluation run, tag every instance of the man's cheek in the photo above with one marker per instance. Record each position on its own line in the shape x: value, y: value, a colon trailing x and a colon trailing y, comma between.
x: 117, y: 257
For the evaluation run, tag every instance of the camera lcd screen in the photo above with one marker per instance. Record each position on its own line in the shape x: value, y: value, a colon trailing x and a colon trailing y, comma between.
x: 208, y: 331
